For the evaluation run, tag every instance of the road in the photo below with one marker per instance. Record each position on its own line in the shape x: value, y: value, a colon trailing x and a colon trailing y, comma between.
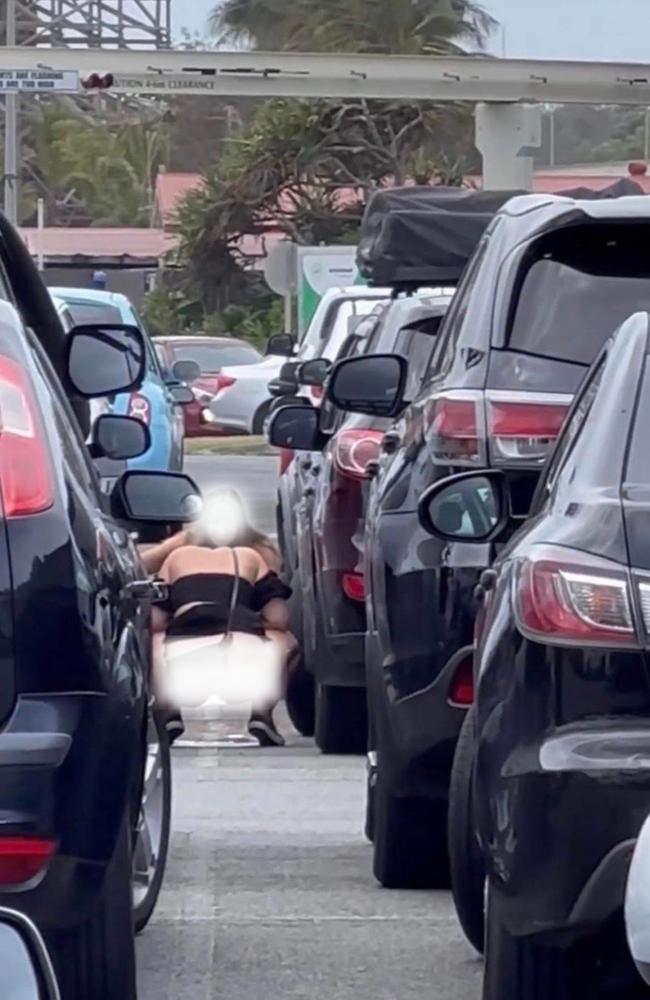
x: 269, y: 893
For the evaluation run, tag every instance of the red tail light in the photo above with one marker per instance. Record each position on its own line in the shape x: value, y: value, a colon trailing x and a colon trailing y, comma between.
x: 224, y: 382
x: 139, y: 407
x: 455, y: 429
x: 522, y: 429
x: 286, y: 458
x: 354, y: 586
x: 569, y: 597
x: 353, y: 449
x: 25, y: 472
x: 22, y: 858
x: 461, y: 689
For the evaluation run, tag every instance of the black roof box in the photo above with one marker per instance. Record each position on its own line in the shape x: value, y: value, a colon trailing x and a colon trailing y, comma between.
x: 624, y: 188
x: 423, y: 235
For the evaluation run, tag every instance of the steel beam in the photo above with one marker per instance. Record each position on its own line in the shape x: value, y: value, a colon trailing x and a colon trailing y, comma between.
x: 468, y: 78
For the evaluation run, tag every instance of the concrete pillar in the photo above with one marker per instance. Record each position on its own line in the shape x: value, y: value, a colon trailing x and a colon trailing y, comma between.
x: 507, y: 136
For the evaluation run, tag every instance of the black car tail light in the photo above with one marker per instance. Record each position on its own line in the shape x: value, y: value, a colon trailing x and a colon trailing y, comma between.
x: 569, y: 597
x: 25, y: 470
x: 455, y: 428
x: 354, y: 449
x: 461, y: 689
x: 354, y: 586
x: 22, y: 858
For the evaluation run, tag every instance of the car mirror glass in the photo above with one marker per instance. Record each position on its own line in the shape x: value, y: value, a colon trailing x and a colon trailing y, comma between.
x: 160, y: 497
x: 186, y: 371
x: 119, y: 438
x: 372, y: 384
x: 102, y: 360
x: 182, y: 394
x: 295, y: 427
x: 314, y: 372
x: 469, y: 508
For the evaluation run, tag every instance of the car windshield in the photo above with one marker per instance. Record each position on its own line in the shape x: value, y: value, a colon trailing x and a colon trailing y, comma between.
x: 574, y: 298
x: 213, y: 357
x: 93, y: 312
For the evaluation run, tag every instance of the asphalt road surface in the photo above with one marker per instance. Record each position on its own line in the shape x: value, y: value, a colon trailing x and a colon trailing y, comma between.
x: 269, y: 893
x: 255, y: 476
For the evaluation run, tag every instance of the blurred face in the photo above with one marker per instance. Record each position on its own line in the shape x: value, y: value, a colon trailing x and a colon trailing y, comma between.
x: 223, y: 518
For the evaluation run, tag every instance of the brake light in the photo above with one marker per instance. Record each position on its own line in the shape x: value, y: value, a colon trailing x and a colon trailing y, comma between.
x: 522, y: 429
x: 354, y: 586
x: 286, y: 458
x: 139, y: 407
x: 354, y: 449
x: 567, y: 596
x: 22, y: 858
x: 224, y: 382
x: 461, y: 689
x: 455, y: 429
x: 25, y: 472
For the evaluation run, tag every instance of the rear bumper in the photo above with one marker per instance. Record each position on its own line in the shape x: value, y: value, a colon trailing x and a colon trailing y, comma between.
x: 559, y: 824
x: 67, y: 772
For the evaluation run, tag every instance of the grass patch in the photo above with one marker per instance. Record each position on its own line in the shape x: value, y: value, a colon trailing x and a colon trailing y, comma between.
x: 245, y: 445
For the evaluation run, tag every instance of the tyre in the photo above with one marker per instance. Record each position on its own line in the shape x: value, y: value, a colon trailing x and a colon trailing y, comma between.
x: 341, y: 724
x: 96, y: 960
x: 154, y: 824
x: 466, y: 863
x: 300, y: 701
x: 259, y: 419
x: 410, y: 843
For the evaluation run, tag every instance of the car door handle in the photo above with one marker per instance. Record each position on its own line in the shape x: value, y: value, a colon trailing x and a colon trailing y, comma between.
x: 145, y: 591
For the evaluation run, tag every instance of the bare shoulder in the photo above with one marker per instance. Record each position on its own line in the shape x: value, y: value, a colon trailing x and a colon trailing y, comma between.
x: 269, y: 557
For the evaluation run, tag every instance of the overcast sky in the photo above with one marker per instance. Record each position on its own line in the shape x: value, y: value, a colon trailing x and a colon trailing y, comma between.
x: 552, y: 29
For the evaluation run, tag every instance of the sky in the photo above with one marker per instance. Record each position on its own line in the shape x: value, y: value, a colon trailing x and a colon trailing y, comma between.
x: 537, y: 29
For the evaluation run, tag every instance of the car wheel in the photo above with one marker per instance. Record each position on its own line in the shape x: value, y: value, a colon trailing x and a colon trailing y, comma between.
x: 465, y: 859
x: 341, y: 724
x: 260, y: 419
x: 410, y: 842
x: 300, y: 699
x: 96, y: 960
x: 154, y: 824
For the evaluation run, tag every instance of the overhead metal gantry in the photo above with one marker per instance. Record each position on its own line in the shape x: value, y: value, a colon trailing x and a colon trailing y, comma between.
x: 509, y: 93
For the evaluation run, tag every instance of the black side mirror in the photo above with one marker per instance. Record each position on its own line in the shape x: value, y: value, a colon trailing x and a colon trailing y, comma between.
x: 27, y: 971
x: 281, y: 344
x: 297, y: 428
x: 181, y: 394
x: 373, y: 384
x: 118, y: 437
x: 103, y: 359
x: 186, y: 371
x: 156, y: 497
x: 470, y: 507
x: 314, y: 372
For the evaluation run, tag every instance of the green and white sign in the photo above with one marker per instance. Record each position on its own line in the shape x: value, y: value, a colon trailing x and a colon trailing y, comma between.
x: 319, y: 269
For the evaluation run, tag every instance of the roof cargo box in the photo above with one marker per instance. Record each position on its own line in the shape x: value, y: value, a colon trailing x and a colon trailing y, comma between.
x: 423, y: 235
x: 619, y: 189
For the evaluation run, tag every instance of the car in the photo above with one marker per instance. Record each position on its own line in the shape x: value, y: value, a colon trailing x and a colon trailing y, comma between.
x: 497, y: 391
x: 329, y: 493
x: 211, y: 354
x: 156, y: 401
x: 27, y: 972
x: 84, y: 765
x: 552, y: 782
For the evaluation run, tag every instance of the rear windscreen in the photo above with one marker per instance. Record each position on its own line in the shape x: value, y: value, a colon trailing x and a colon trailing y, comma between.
x: 91, y: 312
x: 581, y: 284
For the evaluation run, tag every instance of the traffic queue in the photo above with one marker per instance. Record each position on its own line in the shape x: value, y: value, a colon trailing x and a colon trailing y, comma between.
x: 469, y: 505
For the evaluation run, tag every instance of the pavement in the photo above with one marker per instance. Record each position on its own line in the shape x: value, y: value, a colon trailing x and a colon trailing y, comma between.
x: 269, y: 893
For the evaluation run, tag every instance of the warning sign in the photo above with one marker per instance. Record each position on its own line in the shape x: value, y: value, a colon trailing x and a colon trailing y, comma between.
x: 39, y: 81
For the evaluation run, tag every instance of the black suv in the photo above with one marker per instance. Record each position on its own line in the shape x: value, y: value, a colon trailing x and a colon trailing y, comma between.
x: 550, y: 280
x: 75, y: 713
x: 329, y: 501
x: 551, y: 781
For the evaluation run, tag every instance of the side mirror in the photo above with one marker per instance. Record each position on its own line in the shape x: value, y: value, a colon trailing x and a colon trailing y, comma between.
x: 373, y: 384
x: 314, y: 372
x: 281, y: 344
x: 470, y: 507
x: 181, y: 394
x: 118, y: 437
x: 156, y: 497
x: 103, y: 360
x: 186, y: 371
x: 637, y: 904
x: 27, y: 972
x: 297, y: 428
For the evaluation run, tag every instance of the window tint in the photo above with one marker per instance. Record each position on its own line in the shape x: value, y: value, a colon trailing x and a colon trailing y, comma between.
x: 419, y: 349
x: 587, y: 282
x: 453, y: 323
x: 212, y: 357
x: 90, y: 312
x: 347, y: 311
x: 638, y: 462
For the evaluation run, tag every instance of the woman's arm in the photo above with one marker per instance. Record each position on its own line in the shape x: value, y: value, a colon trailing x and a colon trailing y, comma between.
x: 270, y: 558
x: 275, y: 615
x: 153, y: 558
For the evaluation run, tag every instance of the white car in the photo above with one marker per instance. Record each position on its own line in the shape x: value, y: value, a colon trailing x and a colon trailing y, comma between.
x: 243, y: 403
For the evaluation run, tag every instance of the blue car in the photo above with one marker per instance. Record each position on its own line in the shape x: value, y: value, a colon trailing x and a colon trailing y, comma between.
x: 153, y: 403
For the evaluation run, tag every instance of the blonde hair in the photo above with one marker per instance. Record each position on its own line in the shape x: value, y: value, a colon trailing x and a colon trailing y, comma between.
x: 239, y: 534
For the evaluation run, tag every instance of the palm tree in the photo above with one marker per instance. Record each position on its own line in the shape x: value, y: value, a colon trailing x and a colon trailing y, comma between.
x: 395, y: 26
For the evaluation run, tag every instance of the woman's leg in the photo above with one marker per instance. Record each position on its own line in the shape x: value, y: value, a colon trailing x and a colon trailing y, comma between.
x: 261, y: 723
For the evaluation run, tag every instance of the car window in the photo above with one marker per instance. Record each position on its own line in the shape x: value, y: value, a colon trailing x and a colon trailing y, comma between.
x: 583, y: 286
x: 93, y: 312
x: 419, y: 348
x: 347, y: 310
x: 213, y: 357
